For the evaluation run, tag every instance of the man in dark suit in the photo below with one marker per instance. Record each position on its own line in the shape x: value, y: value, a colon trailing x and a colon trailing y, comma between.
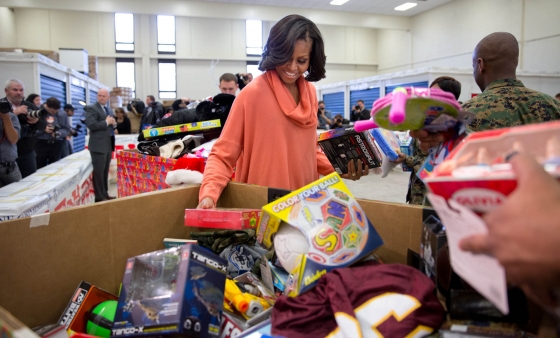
x: 101, y: 123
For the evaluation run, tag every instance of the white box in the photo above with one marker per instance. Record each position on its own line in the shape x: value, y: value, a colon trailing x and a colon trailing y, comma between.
x: 74, y: 58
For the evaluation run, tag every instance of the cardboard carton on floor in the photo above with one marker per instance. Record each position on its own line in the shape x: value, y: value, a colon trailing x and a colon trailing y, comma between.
x: 43, y: 258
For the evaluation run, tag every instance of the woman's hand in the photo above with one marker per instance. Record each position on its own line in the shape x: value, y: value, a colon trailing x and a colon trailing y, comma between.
x: 206, y: 203
x: 355, y: 173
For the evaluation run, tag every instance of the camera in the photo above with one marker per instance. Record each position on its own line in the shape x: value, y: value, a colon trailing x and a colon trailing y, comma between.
x: 37, y: 113
x: 55, y: 133
x: 5, y: 106
x: 76, y: 130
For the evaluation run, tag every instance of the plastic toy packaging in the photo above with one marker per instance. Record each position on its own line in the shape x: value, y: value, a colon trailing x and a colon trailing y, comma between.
x: 409, y: 108
x: 172, y: 291
x: 476, y: 173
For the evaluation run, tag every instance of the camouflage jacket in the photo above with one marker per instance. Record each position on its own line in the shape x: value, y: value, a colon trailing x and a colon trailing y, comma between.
x: 508, y: 103
x: 416, y: 188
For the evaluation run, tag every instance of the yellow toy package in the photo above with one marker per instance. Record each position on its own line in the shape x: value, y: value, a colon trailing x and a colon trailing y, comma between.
x: 316, y: 229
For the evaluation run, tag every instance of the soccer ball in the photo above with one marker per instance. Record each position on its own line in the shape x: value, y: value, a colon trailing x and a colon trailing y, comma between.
x: 289, y: 243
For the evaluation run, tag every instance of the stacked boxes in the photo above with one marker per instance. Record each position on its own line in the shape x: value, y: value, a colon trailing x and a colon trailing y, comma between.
x: 120, y: 97
x: 48, y: 53
x: 92, y: 63
x: 138, y: 173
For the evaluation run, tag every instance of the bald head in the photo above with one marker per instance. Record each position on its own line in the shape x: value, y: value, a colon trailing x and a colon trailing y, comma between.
x: 495, y: 58
x: 103, y: 96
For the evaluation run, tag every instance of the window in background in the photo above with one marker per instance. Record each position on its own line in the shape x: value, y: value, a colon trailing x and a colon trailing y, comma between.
x: 253, y: 36
x: 126, y: 75
x: 253, y: 68
x: 167, y: 79
x: 124, y: 32
x: 166, y: 34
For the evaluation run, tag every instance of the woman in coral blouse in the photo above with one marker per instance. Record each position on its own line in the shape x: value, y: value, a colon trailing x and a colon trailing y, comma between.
x: 270, y: 135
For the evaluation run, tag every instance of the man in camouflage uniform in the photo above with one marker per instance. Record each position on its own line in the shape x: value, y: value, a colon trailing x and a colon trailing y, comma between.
x: 505, y: 101
x: 416, y: 189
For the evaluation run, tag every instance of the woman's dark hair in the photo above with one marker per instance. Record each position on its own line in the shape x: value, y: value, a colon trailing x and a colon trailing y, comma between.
x: 448, y: 84
x: 283, y: 36
x: 31, y: 97
x: 120, y: 110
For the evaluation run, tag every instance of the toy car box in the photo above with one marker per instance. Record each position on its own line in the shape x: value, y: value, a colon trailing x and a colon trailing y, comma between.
x: 181, y: 128
x: 177, y: 291
x: 230, y: 219
x: 344, y: 145
x: 336, y: 226
x: 483, y: 186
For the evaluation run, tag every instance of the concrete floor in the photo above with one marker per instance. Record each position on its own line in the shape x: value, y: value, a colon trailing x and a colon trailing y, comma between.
x: 372, y: 187
x: 389, y: 189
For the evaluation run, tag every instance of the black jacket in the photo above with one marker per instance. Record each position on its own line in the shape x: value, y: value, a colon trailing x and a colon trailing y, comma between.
x: 363, y: 115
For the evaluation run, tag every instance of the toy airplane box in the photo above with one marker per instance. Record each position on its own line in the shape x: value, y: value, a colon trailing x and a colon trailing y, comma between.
x: 344, y: 145
x: 230, y: 219
x: 337, y: 229
x: 177, y: 291
x: 476, y: 173
x: 181, y: 128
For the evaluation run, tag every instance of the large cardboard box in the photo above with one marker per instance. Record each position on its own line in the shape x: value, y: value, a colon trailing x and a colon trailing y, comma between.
x: 42, y: 259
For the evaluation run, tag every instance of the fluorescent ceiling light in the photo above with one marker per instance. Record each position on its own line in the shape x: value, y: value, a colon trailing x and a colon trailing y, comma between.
x: 405, y: 6
x: 338, y: 2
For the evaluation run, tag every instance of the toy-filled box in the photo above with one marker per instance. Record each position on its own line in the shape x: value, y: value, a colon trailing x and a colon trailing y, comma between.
x: 181, y: 128
x: 138, y: 173
x: 476, y: 173
x: 344, y: 145
x: 172, y: 291
x: 334, y: 225
x: 230, y: 219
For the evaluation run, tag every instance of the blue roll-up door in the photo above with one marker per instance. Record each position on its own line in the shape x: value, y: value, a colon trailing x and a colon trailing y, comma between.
x: 92, y: 96
x: 367, y: 95
x: 53, y: 88
x: 78, y: 94
x: 424, y: 84
x: 334, y: 103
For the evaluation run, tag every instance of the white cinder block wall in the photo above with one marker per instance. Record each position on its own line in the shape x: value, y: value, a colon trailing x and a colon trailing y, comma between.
x: 7, y: 27
x: 447, y: 35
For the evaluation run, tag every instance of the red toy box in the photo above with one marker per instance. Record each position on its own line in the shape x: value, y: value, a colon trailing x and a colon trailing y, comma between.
x: 475, y: 173
x: 138, y: 173
x: 230, y: 219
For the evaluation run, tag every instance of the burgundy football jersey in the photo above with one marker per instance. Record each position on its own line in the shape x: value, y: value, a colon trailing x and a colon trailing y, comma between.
x: 369, y: 300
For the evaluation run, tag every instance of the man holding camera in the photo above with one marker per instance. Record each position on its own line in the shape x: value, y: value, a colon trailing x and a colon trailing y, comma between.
x: 26, y: 156
x: 9, y: 135
x: 339, y: 122
x: 67, y: 148
x: 359, y: 112
x: 50, y: 142
x: 324, y: 117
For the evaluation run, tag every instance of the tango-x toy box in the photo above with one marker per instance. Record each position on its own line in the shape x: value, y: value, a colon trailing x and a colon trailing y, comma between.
x: 477, y: 173
x: 344, y: 145
x: 177, y: 291
x: 322, y: 226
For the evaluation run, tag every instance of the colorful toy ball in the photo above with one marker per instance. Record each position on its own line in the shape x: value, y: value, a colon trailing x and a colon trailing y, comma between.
x: 100, y: 319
